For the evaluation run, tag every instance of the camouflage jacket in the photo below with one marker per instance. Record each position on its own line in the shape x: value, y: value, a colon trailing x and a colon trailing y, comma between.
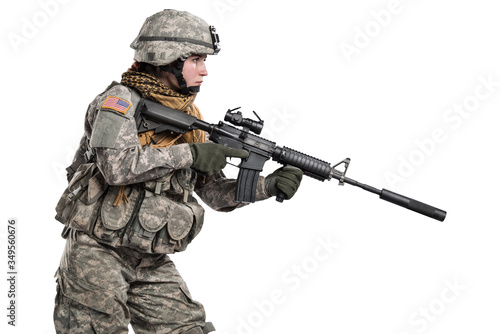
x: 134, y: 196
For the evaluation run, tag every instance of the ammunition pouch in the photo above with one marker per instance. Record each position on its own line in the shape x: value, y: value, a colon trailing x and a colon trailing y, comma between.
x: 79, y: 205
x: 152, y: 217
x: 148, y: 222
x: 163, y: 225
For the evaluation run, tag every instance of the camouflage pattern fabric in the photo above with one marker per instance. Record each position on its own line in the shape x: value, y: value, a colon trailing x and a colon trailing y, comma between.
x: 101, y: 289
x: 113, y: 135
x: 153, y: 89
x: 184, y: 33
x: 218, y: 192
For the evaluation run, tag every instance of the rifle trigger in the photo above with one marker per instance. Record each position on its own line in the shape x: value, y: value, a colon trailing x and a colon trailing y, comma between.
x: 346, y: 163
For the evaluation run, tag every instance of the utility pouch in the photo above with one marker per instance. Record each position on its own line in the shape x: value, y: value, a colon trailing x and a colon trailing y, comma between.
x: 163, y: 225
x: 183, y: 226
x: 116, y: 213
x: 79, y: 205
x: 114, y: 216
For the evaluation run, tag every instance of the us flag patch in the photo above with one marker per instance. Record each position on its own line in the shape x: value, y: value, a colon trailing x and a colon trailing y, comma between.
x: 117, y: 104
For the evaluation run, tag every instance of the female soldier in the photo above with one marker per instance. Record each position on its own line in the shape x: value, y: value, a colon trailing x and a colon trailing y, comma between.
x: 129, y: 200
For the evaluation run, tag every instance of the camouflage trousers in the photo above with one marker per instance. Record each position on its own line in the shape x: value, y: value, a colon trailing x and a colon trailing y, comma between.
x: 102, y: 289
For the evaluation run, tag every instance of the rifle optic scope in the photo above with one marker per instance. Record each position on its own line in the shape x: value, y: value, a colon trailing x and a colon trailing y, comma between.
x: 236, y: 118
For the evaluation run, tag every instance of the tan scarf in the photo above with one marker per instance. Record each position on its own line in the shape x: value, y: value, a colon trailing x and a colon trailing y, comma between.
x: 151, y: 88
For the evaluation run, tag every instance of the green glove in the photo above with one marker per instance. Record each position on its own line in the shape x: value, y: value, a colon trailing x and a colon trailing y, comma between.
x: 285, y: 179
x: 210, y: 157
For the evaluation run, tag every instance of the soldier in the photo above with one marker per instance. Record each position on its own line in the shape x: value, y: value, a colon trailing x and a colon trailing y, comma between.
x: 129, y: 201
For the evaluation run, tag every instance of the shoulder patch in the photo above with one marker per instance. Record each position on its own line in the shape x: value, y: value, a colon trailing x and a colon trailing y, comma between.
x: 117, y: 104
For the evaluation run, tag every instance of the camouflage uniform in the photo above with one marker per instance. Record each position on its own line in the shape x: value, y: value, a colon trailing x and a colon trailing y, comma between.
x: 114, y: 269
x: 125, y: 208
x: 101, y: 289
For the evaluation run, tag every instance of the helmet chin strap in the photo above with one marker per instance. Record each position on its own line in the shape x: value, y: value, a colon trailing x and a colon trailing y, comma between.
x: 176, y: 69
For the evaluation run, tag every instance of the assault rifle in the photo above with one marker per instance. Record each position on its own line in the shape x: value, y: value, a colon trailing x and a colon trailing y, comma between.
x: 150, y: 115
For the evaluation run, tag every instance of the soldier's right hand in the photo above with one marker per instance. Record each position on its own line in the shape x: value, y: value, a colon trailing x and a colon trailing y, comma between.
x: 210, y: 157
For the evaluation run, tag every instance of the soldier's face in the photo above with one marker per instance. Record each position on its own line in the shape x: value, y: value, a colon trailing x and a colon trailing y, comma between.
x: 194, y: 70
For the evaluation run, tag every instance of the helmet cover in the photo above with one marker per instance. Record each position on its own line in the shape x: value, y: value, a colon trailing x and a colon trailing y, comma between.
x: 170, y: 34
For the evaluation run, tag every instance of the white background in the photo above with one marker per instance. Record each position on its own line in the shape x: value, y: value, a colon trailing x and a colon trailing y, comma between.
x: 389, y: 106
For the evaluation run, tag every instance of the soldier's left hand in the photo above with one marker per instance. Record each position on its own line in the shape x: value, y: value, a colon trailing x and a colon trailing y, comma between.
x: 285, y: 179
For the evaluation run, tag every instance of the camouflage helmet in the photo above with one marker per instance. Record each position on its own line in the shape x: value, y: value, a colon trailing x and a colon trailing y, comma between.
x: 170, y: 35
